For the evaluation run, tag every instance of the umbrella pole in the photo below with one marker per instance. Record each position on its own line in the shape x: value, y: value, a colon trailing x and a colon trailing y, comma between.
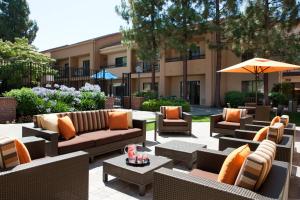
x: 256, y: 79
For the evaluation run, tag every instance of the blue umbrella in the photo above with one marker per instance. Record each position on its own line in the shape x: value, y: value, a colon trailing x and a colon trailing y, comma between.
x: 103, y: 74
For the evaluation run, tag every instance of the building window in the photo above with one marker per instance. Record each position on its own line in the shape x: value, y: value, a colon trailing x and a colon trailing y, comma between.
x: 147, y: 87
x: 196, y: 53
x: 66, y: 70
x: 121, y: 61
x: 86, y: 67
x: 249, y: 86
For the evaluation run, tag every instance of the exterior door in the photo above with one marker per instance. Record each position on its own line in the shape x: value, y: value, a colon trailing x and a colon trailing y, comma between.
x: 193, y: 92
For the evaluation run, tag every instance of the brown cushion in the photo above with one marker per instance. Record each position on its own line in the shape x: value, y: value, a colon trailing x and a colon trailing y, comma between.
x: 228, y: 125
x: 109, y: 136
x: 75, y: 144
x: 174, y: 122
x: 204, y: 174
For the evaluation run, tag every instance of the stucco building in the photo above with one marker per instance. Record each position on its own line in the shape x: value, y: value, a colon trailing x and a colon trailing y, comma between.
x: 107, y: 52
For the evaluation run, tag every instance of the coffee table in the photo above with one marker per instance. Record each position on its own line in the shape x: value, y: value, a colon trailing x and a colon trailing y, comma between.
x: 179, y: 151
x: 141, y: 176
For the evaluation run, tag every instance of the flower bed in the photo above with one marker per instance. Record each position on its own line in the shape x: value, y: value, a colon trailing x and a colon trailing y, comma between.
x: 60, y: 99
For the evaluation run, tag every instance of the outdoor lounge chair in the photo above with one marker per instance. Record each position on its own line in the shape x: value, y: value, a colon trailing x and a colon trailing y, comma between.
x: 62, y: 177
x: 184, y: 124
x: 174, y: 185
x: 284, y: 150
x: 218, y: 123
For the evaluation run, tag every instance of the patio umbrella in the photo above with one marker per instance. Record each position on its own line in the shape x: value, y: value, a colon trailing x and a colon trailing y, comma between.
x: 105, y: 75
x: 259, y: 66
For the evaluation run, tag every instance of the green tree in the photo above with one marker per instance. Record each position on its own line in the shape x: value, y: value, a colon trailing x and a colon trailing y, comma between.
x: 182, y: 22
x: 220, y: 12
x: 20, y: 60
x: 144, y: 19
x: 264, y: 30
x: 15, y: 22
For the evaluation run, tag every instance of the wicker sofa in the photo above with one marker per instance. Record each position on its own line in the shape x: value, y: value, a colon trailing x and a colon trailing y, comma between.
x: 218, y: 124
x: 284, y: 150
x: 93, y: 135
x: 163, y: 125
x: 39, y: 179
x: 173, y: 185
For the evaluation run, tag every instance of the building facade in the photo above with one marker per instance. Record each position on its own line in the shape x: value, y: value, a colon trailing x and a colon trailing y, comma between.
x: 85, y: 58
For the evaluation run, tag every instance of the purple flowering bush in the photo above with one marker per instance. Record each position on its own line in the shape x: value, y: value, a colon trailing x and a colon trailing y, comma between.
x: 59, y: 99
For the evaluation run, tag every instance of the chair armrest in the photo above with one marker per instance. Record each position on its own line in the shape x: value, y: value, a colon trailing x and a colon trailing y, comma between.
x: 245, y: 120
x: 159, y: 120
x: 261, y: 123
x: 210, y: 160
x: 187, y: 117
x: 52, y: 137
x: 214, y: 119
x: 41, y: 179
x: 244, y: 134
x: 138, y: 123
x: 252, y: 127
x: 175, y: 185
x: 228, y: 142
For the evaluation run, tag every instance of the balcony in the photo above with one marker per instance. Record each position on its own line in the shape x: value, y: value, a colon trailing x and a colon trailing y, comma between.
x: 113, y: 66
x: 180, y: 58
x: 146, y: 67
x: 291, y: 73
x: 63, y: 72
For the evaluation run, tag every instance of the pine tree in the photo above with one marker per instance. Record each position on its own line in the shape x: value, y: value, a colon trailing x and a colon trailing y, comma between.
x: 15, y: 22
x: 182, y: 23
x: 144, y: 20
x: 220, y: 12
x: 265, y: 30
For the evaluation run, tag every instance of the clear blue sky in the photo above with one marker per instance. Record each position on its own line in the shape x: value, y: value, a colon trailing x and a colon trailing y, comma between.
x: 64, y: 22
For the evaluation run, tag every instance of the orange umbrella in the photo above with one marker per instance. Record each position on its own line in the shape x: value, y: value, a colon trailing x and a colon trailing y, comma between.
x: 259, y: 66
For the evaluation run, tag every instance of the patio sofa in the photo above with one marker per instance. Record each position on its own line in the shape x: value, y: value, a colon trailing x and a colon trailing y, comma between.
x: 219, y: 124
x: 174, y: 185
x: 62, y: 177
x: 92, y: 134
x: 284, y: 149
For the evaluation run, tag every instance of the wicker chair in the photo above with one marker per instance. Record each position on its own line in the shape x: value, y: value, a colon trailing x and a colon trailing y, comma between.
x: 219, y: 125
x: 175, y: 185
x: 62, y: 177
x: 284, y: 150
x: 184, y: 124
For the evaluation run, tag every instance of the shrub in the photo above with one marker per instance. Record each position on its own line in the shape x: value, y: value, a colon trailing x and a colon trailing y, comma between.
x: 235, y: 98
x: 28, y: 102
x: 146, y: 95
x: 154, y: 104
x: 278, y: 99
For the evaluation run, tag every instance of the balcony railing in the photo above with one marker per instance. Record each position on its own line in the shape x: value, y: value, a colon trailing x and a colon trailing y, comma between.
x: 63, y: 72
x: 113, y: 66
x: 147, y: 67
x: 180, y: 58
x: 291, y: 73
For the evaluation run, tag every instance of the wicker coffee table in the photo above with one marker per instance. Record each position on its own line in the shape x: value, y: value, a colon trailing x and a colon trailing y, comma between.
x: 141, y: 176
x: 179, y: 151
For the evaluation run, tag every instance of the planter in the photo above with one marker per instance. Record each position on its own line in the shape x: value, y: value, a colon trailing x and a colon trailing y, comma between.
x: 136, y: 102
x: 109, y: 102
x: 8, y: 108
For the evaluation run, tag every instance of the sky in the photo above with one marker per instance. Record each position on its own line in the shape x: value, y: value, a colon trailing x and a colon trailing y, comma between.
x: 63, y: 22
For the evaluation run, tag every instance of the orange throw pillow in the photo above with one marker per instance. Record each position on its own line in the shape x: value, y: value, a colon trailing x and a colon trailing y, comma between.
x: 66, y: 127
x: 261, y: 134
x: 172, y: 112
x: 118, y: 120
x: 23, y: 154
x: 275, y: 120
x: 232, y: 164
x: 233, y: 115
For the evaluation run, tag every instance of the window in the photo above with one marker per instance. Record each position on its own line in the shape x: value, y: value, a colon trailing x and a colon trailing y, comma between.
x: 195, y: 53
x: 147, y: 87
x: 121, y: 61
x: 86, y: 67
x: 66, y: 70
x: 249, y: 86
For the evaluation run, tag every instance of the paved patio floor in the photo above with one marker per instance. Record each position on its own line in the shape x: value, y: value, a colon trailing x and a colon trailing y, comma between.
x: 116, y: 189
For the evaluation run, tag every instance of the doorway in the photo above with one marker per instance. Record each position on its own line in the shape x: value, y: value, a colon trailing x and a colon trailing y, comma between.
x: 193, y: 92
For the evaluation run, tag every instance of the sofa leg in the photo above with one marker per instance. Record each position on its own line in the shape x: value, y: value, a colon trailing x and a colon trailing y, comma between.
x: 91, y: 159
x: 144, y: 144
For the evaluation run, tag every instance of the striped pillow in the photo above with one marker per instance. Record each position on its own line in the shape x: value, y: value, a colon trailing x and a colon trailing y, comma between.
x: 285, y: 120
x: 257, y: 166
x: 8, y: 153
x: 275, y: 133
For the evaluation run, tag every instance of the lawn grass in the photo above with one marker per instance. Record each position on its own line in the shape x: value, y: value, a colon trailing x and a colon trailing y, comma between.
x: 150, y: 126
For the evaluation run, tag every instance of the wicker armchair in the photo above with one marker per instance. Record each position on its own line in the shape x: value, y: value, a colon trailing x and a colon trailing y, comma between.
x: 168, y: 125
x: 284, y: 150
x: 219, y: 125
x: 175, y: 185
x: 62, y: 177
